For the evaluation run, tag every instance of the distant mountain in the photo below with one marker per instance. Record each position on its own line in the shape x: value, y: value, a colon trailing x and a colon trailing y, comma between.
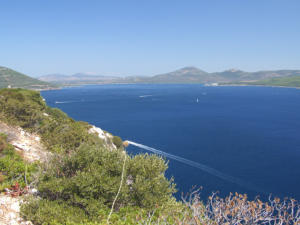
x: 184, y: 75
x: 195, y: 75
x: 14, y: 79
x: 77, y: 79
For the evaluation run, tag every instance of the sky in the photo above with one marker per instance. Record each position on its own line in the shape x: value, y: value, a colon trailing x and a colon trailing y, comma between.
x: 148, y: 37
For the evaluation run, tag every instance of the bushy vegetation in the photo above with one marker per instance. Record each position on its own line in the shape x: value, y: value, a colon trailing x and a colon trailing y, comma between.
x: 27, y: 109
x: 58, y: 212
x: 87, y: 180
x: 13, y: 169
x: 117, y: 141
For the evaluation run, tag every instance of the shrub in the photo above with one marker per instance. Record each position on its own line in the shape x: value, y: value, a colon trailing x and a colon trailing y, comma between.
x: 89, y: 179
x: 21, y: 107
x: 150, y: 188
x: 117, y: 141
x: 58, y: 212
x: 52, y: 212
x: 13, y: 168
x: 27, y: 109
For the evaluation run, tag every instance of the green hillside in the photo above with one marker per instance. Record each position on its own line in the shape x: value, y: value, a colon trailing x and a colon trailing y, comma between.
x: 14, y: 79
x: 289, y: 81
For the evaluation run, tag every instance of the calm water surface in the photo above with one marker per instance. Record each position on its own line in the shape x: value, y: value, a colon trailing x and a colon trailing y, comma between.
x: 251, y: 133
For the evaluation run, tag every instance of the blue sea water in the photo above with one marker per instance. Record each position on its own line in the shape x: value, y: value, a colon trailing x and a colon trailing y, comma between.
x: 250, y: 133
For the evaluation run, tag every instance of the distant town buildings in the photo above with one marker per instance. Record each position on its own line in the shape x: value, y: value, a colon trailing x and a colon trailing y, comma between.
x: 212, y: 84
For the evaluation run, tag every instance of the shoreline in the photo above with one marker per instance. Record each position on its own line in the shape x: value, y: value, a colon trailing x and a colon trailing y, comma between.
x: 220, y: 85
x: 257, y: 85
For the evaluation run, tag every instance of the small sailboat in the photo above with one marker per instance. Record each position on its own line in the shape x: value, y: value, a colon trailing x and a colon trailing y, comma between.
x: 197, y: 100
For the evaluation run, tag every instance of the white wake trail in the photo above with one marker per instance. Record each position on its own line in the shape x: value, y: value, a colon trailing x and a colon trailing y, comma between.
x: 203, y: 167
x: 66, y: 102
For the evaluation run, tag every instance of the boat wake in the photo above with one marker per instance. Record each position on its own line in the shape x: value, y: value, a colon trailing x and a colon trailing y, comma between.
x: 65, y: 102
x: 200, y: 166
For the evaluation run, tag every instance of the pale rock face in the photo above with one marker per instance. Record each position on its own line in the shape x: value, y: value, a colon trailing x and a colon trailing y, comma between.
x: 37, y: 138
x: 10, y: 211
x: 29, y: 144
x: 104, y: 136
x: 11, y: 216
x: 22, y: 133
x: 98, y: 130
x: 15, y: 206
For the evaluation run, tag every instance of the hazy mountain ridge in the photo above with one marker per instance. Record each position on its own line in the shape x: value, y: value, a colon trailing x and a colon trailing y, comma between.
x: 183, y: 75
x: 14, y: 79
x: 77, y: 78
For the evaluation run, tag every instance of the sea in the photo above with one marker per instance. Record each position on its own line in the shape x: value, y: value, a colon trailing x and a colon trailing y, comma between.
x: 223, y: 139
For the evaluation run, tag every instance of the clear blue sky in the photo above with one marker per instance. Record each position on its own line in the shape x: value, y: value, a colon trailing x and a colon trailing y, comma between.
x: 146, y: 37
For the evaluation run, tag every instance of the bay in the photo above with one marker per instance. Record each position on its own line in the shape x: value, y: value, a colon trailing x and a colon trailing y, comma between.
x: 250, y: 133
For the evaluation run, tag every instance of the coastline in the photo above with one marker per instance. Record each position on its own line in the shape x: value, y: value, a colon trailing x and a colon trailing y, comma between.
x: 224, y: 85
x: 257, y: 85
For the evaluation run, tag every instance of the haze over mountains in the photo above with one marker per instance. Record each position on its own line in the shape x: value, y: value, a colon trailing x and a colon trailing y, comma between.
x: 291, y: 78
x: 184, y: 75
x: 78, y: 78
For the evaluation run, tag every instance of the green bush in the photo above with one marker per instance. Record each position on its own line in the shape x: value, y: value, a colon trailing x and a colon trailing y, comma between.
x: 58, y: 212
x: 52, y: 212
x: 27, y: 109
x: 13, y: 168
x: 21, y: 107
x: 117, y: 141
x: 89, y: 179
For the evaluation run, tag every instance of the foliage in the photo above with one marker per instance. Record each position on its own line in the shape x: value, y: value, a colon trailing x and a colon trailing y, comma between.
x: 150, y: 187
x: 21, y: 107
x: 58, y: 212
x: 88, y: 179
x: 117, y: 141
x: 52, y: 212
x: 13, y: 168
x: 27, y: 109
